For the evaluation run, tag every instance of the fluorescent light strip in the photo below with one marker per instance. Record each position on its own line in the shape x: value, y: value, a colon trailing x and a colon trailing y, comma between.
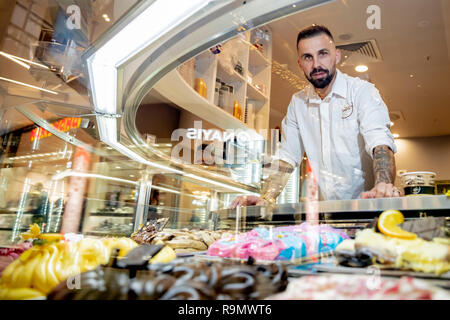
x: 155, y: 21
x: 7, y: 56
x: 102, y: 65
x: 104, y: 87
x: 178, y: 192
x: 25, y: 60
x: 190, y: 175
x: 27, y: 85
x: 70, y: 173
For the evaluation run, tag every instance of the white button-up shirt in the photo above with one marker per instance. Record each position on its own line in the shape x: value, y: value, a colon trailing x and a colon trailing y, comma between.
x: 338, y: 135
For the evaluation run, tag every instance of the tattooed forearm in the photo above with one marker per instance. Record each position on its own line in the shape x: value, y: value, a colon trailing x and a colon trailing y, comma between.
x: 383, y: 164
x: 276, y: 182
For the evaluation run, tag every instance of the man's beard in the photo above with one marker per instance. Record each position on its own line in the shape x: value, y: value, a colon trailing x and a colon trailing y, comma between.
x: 323, y: 82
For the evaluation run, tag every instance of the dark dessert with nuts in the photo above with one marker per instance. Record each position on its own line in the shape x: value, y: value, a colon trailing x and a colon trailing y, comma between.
x: 179, y: 280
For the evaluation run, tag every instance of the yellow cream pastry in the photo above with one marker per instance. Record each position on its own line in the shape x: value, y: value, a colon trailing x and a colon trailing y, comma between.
x: 39, y: 269
x: 166, y: 255
x: 416, y: 254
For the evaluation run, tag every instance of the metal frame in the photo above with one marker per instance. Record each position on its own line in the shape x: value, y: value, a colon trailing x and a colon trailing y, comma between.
x: 62, y: 135
x: 409, y: 203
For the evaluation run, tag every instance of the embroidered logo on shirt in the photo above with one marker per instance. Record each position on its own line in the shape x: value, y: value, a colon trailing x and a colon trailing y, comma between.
x: 347, y: 111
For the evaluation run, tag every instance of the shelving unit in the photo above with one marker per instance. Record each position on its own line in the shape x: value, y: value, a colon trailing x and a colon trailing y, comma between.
x: 230, y: 78
x: 254, y: 93
x: 258, y: 58
x: 178, y: 85
x: 177, y: 90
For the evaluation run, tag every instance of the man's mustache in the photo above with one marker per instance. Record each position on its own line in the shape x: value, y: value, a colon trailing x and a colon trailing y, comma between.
x: 317, y: 70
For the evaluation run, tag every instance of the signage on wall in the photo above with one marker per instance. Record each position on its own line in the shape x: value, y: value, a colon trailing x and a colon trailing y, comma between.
x: 62, y: 125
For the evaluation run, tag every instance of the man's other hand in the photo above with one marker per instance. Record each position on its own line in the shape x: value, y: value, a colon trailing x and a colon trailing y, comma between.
x: 248, y: 201
x: 382, y: 190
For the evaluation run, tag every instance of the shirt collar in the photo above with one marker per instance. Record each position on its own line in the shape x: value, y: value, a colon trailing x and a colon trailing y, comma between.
x: 339, y: 88
x: 340, y: 85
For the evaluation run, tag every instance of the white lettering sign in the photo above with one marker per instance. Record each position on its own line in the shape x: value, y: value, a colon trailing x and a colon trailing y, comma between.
x: 74, y: 17
x: 374, y: 20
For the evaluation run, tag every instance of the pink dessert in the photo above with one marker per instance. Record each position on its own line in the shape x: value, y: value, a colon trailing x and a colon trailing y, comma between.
x: 282, y: 243
x: 8, y: 255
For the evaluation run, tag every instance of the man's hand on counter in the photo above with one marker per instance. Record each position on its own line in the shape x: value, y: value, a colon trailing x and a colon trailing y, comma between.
x: 248, y: 201
x: 382, y: 190
x: 272, y: 187
x: 384, y: 172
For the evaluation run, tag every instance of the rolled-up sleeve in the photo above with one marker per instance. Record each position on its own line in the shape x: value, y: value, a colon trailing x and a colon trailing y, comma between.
x: 374, y: 119
x: 291, y: 149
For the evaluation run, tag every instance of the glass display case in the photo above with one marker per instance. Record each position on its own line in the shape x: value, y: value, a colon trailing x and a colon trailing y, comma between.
x: 57, y: 164
x: 112, y: 117
x: 217, y: 102
x: 43, y: 172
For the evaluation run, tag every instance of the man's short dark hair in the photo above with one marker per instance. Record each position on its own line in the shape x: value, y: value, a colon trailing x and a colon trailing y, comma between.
x: 312, y: 31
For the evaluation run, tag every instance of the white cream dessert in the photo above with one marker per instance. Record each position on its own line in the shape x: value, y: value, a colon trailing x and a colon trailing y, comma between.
x: 416, y: 254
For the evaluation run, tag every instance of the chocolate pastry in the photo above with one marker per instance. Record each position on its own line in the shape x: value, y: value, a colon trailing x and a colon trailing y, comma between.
x: 239, y: 282
x: 183, y: 273
x: 139, y: 256
x: 155, y: 288
x: 181, y: 279
x: 147, y: 233
x: 181, y: 292
x: 147, y: 286
x: 189, y: 290
x: 103, y: 283
x: 162, y: 284
x: 278, y: 274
